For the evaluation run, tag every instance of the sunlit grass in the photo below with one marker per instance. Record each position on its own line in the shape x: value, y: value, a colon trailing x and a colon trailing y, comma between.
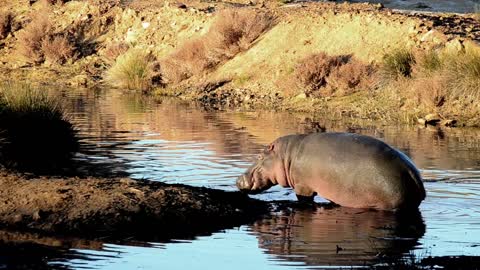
x: 132, y: 70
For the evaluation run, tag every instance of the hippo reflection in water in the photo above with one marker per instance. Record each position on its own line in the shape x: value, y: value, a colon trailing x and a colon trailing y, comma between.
x: 339, y: 236
x: 348, y: 169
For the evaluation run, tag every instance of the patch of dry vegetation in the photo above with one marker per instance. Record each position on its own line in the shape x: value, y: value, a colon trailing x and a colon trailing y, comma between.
x: 132, y: 70
x: 57, y: 49
x: 323, y: 75
x: 38, y: 42
x: 30, y: 39
x: 114, y: 50
x: 232, y: 32
x: 442, y: 77
x: 5, y: 23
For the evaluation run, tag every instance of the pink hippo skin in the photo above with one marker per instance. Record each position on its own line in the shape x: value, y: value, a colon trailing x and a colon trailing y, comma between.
x: 348, y: 169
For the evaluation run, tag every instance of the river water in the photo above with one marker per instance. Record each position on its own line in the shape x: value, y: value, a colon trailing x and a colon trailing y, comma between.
x: 174, y: 142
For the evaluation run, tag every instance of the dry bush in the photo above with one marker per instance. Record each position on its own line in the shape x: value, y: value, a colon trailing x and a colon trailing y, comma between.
x: 189, y: 60
x: 427, y: 62
x: 53, y: 2
x: 5, y: 24
x: 113, y: 51
x: 463, y: 69
x: 312, y: 71
x: 431, y: 92
x: 350, y: 77
x: 232, y: 32
x: 132, y: 70
x: 57, y: 49
x: 30, y: 39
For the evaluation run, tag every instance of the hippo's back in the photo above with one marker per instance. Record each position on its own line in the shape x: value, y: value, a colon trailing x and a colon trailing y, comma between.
x: 358, y: 171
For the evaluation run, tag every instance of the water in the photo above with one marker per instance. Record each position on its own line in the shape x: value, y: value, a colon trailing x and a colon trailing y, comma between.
x: 175, y: 142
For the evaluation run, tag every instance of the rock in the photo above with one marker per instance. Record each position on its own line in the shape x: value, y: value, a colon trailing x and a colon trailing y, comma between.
x: 80, y: 80
x: 422, y: 121
x: 432, y: 119
x: 449, y: 123
x: 454, y: 46
x: 301, y: 96
x: 435, y: 37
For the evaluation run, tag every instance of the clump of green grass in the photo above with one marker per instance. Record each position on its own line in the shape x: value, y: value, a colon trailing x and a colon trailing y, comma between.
x: 428, y: 62
x: 397, y: 64
x: 132, y: 70
x: 463, y: 69
x: 35, y: 134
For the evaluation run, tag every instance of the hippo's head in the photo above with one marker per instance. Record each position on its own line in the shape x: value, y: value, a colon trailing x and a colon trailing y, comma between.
x: 267, y: 171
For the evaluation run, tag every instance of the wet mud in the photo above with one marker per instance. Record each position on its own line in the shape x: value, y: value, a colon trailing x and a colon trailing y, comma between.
x: 119, y: 207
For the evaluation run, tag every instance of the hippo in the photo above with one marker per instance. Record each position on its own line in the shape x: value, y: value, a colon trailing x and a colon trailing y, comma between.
x: 347, y: 169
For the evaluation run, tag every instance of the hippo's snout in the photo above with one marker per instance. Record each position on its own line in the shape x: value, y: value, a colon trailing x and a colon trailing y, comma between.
x: 243, y: 183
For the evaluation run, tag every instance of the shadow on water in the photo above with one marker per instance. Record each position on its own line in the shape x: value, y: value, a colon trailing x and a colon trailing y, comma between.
x: 338, y: 236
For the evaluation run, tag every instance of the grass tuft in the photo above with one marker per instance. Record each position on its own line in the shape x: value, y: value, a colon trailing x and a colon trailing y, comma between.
x: 34, y: 132
x: 132, y: 70
x: 398, y: 63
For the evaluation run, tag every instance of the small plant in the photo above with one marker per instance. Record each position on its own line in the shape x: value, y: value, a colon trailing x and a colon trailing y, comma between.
x: 397, y: 64
x: 350, y: 77
x: 34, y: 132
x: 428, y: 62
x: 132, y: 70
x: 232, y: 32
x: 312, y: 71
x: 463, y: 69
x: 30, y: 39
x: 57, y: 49
x: 5, y: 24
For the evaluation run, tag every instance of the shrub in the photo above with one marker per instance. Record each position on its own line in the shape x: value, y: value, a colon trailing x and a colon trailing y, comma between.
x: 132, y: 70
x: 398, y: 64
x: 431, y: 91
x: 350, y: 77
x: 30, y: 39
x: 5, y: 24
x: 312, y: 71
x: 34, y: 132
x: 57, y: 49
x: 232, y: 32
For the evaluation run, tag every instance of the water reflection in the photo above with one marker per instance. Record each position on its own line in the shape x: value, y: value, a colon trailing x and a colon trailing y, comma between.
x: 339, y: 236
x: 174, y: 142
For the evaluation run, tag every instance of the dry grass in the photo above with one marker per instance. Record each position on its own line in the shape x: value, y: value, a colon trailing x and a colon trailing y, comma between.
x: 5, y: 24
x: 312, y: 71
x: 57, y: 49
x: 132, y: 70
x: 113, y: 51
x: 398, y: 63
x: 30, y: 39
x: 232, y: 32
x: 323, y: 75
x: 351, y: 77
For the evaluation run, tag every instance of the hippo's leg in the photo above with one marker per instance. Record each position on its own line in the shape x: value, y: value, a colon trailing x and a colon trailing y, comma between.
x: 304, y: 193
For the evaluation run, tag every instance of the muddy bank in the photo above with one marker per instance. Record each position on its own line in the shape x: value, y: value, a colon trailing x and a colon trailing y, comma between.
x: 119, y: 207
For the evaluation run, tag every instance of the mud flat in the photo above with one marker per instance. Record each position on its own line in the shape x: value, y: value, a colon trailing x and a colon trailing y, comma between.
x: 112, y: 208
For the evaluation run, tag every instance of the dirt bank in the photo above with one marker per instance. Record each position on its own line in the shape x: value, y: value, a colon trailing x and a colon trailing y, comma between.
x: 260, y: 74
x: 115, y: 208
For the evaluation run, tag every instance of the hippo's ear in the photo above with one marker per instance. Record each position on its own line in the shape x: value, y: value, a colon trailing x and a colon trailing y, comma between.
x: 271, y: 147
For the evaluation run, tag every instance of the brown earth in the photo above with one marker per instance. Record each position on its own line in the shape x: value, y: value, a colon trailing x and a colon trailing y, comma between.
x: 113, y: 208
